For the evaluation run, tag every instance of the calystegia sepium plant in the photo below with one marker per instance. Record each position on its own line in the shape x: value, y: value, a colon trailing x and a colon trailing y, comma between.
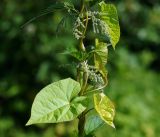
x: 82, y: 98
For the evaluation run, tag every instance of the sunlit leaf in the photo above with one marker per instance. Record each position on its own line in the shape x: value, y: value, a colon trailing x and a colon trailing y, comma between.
x: 57, y: 103
x: 109, y: 21
x: 105, y: 108
x: 100, y: 56
x: 101, y: 53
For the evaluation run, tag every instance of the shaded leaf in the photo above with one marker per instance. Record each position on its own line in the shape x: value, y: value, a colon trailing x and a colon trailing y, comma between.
x: 105, y: 108
x: 50, y: 9
x: 93, y: 122
x: 61, y: 25
x: 78, y: 55
x: 70, y: 7
x: 57, y: 102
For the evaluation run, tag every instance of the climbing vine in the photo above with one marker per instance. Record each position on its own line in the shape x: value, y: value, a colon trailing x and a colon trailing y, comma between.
x: 82, y: 98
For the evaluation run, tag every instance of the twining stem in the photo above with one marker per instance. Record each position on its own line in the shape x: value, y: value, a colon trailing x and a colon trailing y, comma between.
x: 84, y: 32
x: 84, y: 78
x: 85, y: 74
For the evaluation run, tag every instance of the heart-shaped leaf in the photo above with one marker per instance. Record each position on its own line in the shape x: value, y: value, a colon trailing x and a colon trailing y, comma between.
x: 105, y: 108
x: 57, y: 102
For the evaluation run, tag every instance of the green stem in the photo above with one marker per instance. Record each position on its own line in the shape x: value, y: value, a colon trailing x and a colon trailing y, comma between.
x: 81, y: 125
x: 85, y: 78
x: 85, y: 74
x: 82, y: 119
x: 82, y: 47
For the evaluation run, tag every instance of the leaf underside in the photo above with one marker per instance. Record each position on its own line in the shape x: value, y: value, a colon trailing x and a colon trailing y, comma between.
x: 105, y: 108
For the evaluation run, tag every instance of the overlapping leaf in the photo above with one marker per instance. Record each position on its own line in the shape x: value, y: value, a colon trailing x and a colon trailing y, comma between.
x: 92, y: 123
x: 105, y: 108
x: 78, y: 55
x: 101, y: 53
x: 57, y: 103
x: 100, y: 56
x: 109, y: 21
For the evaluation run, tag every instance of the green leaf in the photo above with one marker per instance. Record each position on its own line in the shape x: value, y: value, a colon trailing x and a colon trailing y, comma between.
x: 50, y: 9
x: 101, y: 54
x: 61, y: 25
x: 108, y: 16
x: 57, y: 102
x: 69, y: 6
x: 105, y: 108
x: 93, y: 122
x: 79, y: 55
x: 100, y: 57
x: 55, y: 6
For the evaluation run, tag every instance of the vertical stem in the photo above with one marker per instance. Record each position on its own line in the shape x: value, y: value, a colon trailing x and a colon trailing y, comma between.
x: 84, y: 32
x: 85, y: 78
x: 85, y: 74
x: 81, y: 125
x: 82, y: 119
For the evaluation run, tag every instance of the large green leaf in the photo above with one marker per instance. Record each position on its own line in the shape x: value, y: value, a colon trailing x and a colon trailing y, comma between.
x: 105, y: 108
x: 109, y: 19
x: 93, y: 122
x: 58, y: 102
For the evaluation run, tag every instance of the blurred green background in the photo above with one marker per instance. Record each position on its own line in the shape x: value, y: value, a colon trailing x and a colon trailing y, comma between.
x: 30, y: 58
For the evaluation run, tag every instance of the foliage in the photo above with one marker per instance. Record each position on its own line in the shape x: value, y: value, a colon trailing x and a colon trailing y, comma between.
x: 62, y: 101
x: 58, y: 102
x: 28, y: 57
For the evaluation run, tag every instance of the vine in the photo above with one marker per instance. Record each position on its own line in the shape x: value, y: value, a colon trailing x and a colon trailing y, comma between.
x: 83, y: 98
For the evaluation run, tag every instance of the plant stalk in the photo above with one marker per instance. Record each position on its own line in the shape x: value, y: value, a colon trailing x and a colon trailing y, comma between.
x: 82, y: 119
x: 81, y: 125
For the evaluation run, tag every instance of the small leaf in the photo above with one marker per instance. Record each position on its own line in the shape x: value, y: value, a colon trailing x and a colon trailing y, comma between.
x: 70, y: 7
x: 61, y: 25
x: 92, y: 123
x: 105, y: 108
x: 79, y: 55
x: 57, y: 102
x: 101, y: 54
x: 100, y: 57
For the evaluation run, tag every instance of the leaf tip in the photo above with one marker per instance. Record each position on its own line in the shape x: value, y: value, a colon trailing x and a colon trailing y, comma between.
x: 112, y: 125
x: 28, y: 123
